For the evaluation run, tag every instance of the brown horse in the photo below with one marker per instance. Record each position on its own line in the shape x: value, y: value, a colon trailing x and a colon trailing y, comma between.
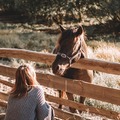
x: 70, y: 48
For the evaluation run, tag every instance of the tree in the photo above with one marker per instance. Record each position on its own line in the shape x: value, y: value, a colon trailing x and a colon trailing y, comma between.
x: 43, y: 11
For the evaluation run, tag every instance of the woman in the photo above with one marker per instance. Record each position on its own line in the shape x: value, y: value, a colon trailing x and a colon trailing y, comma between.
x: 27, y: 100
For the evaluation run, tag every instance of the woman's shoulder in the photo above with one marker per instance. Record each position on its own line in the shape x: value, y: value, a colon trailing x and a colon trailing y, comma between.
x: 38, y: 88
x: 39, y: 93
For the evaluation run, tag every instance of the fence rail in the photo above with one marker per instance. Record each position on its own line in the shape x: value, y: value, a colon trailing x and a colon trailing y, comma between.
x: 79, y: 106
x: 98, y: 65
x: 73, y: 86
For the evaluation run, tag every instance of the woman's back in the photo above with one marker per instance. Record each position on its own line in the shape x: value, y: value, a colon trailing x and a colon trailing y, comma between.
x: 27, y: 107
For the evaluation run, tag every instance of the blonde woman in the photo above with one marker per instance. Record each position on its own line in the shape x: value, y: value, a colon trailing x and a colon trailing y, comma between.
x: 27, y: 100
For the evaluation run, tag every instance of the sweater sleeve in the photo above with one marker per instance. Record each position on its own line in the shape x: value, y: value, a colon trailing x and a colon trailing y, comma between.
x: 43, y: 109
x: 40, y: 96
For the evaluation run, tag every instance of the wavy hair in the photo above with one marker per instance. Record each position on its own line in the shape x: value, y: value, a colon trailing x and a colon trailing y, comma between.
x: 25, y: 76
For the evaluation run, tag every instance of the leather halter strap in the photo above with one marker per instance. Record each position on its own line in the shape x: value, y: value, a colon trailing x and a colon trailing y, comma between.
x: 63, y: 55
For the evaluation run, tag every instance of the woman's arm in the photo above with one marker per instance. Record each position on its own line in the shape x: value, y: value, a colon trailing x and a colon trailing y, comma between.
x: 43, y: 109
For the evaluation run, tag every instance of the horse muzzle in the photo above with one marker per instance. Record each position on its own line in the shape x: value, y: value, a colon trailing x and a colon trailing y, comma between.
x: 58, y: 69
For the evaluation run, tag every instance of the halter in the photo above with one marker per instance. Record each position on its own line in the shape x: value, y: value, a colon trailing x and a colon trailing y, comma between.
x: 63, y: 55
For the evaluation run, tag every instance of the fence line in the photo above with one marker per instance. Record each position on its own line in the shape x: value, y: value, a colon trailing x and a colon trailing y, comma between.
x: 73, y: 86
x: 58, y: 113
x: 98, y: 65
x: 46, y: 81
x: 78, y: 106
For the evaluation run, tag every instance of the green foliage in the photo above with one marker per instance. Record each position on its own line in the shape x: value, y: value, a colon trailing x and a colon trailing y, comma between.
x: 7, y: 4
x: 105, y: 9
x: 70, y: 10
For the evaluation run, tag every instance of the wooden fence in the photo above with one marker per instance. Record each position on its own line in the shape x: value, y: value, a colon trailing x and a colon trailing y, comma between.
x: 73, y: 86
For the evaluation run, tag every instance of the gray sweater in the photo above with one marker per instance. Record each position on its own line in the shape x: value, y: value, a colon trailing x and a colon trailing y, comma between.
x: 31, y: 107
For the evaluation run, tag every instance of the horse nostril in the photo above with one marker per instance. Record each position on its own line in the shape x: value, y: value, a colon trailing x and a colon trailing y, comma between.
x: 59, y: 67
x: 55, y: 68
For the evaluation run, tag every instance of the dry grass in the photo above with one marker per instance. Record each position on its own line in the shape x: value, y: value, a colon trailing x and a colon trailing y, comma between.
x: 108, y: 53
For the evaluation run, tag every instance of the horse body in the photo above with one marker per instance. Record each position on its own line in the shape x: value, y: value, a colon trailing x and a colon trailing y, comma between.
x: 70, y: 48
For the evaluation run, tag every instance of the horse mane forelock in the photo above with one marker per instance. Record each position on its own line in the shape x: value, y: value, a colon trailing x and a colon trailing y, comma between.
x: 83, y: 37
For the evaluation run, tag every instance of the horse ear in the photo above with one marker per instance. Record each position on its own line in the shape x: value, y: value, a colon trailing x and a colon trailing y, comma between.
x: 79, y: 31
x: 61, y: 28
x: 55, y: 50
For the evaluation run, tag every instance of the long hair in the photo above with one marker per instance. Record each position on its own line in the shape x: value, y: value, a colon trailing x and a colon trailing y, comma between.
x: 25, y: 76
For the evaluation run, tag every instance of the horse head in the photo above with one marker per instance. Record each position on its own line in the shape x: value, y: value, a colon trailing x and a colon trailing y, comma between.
x: 69, y: 49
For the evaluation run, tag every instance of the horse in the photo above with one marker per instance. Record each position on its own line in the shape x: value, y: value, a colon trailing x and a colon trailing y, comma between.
x: 71, y: 47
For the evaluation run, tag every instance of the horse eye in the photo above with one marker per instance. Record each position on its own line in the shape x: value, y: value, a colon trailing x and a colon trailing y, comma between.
x: 63, y: 56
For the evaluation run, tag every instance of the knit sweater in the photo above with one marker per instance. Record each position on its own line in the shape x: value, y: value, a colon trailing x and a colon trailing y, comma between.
x: 30, y: 107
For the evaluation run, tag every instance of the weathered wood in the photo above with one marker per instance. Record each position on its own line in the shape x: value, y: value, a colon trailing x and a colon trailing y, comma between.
x: 73, y: 86
x: 7, y: 71
x: 3, y: 96
x: 58, y: 113
x: 6, y: 83
x: 27, y: 55
x: 64, y: 115
x: 3, y: 103
x: 81, y: 88
x: 98, y: 65
x: 79, y: 106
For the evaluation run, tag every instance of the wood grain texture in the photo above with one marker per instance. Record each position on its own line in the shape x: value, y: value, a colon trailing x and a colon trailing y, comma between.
x: 98, y: 65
